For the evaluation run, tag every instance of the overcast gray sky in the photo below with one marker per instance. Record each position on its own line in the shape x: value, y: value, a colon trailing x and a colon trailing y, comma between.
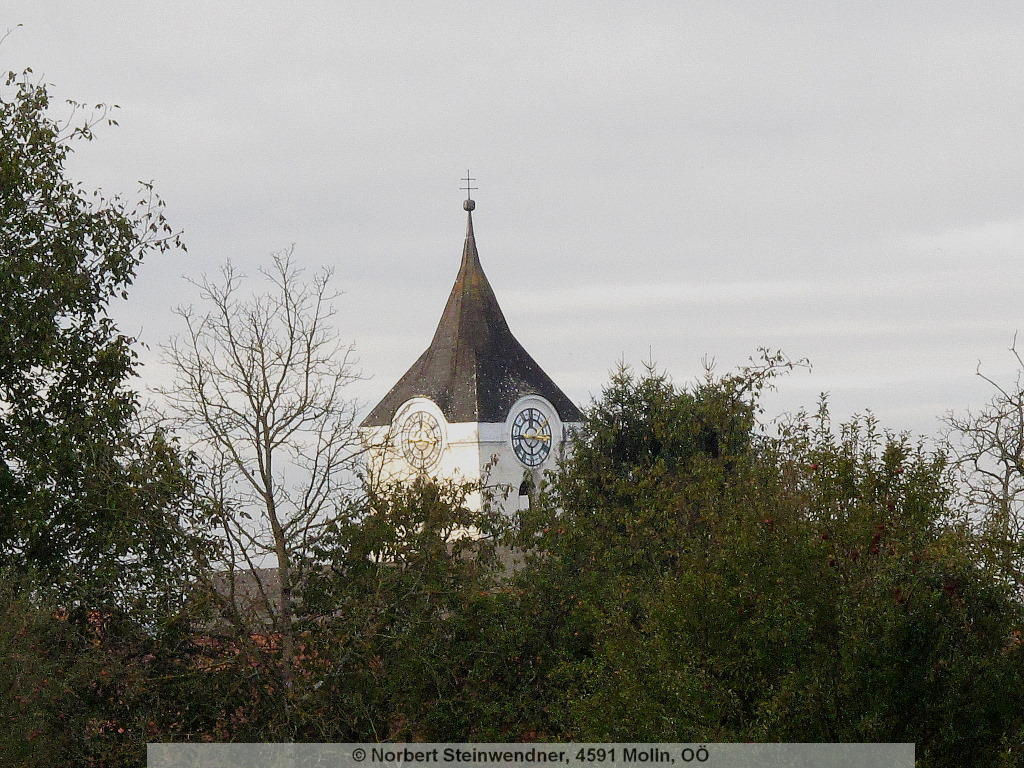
x: 844, y: 181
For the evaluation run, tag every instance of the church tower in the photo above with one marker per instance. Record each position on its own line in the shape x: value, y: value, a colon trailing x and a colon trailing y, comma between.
x: 475, y: 406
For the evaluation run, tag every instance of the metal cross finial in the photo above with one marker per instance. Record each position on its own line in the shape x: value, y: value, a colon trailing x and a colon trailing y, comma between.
x: 469, y: 205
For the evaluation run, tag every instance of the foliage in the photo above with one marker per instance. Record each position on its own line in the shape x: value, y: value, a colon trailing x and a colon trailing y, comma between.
x: 395, y: 610
x: 94, y: 557
x: 689, y: 574
x: 818, y: 584
x: 814, y: 586
x: 85, y: 491
x: 43, y: 679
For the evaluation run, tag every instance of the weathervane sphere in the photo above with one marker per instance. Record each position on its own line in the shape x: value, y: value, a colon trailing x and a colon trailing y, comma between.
x: 469, y: 205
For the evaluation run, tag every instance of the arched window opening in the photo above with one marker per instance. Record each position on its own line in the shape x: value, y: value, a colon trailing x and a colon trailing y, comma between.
x: 524, y: 494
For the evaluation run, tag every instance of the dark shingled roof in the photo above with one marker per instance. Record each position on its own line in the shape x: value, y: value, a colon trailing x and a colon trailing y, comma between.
x: 474, y: 369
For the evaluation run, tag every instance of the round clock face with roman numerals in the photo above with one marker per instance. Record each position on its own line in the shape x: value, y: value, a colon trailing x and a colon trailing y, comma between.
x: 421, y: 440
x: 531, y: 436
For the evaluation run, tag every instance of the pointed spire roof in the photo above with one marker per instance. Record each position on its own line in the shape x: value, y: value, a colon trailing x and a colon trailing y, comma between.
x: 474, y: 369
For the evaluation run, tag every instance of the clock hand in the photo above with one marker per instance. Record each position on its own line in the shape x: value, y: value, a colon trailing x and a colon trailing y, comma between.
x: 422, y: 436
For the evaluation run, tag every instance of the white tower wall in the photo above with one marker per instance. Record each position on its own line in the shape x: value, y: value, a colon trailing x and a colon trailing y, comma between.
x: 481, y: 454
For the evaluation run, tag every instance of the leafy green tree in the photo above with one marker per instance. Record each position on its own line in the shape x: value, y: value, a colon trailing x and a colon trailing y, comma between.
x: 654, y: 472
x: 85, y: 491
x: 700, y: 580
x: 401, y: 632
x: 94, y: 554
x: 43, y: 679
x: 401, y: 597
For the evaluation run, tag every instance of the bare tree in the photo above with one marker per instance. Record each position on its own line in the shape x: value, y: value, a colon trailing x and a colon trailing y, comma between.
x: 260, y: 386
x: 988, y: 444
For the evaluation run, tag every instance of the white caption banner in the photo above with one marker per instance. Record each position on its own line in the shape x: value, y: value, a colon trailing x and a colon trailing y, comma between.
x: 545, y: 755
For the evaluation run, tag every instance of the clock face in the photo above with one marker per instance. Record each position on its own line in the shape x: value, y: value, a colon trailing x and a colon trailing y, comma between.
x: 421, y: 440
x: 531, y: 437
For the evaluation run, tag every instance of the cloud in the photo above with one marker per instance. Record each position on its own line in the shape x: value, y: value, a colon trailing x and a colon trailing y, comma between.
x: 840, y: 179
